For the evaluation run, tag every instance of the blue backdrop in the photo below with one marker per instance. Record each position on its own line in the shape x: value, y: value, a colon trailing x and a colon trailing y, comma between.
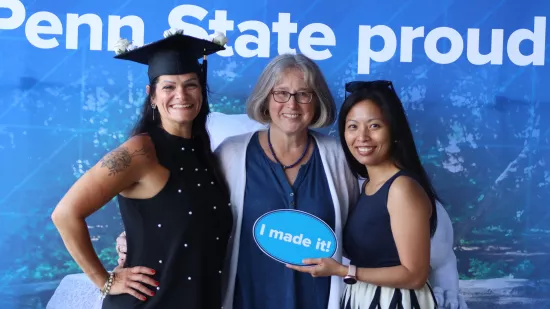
x: 481, y: 122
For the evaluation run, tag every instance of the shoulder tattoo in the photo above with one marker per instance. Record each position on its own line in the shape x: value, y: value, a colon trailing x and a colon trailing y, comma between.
x: 119, y: 159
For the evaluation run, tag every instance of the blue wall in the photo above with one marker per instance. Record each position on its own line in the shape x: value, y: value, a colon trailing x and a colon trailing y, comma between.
x: 481, y: 123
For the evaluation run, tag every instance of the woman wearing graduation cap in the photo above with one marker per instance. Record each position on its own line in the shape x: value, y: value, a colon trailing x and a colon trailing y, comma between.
x: 173, y: 200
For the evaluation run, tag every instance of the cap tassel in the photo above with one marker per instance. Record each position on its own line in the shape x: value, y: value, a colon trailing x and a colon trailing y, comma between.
x: 204, y: 68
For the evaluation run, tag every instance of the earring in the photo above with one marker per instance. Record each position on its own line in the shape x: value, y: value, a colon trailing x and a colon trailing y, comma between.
x: 153, y: 106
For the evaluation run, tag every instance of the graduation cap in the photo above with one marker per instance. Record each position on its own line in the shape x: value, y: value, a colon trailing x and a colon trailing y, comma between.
x: 175, y: 54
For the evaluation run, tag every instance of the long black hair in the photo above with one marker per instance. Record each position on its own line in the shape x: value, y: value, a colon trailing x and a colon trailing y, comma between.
x: 403, y: 150
x: 147, y: 122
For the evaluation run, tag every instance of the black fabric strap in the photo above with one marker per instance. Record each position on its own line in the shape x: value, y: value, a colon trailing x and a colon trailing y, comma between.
x: 375, y: 304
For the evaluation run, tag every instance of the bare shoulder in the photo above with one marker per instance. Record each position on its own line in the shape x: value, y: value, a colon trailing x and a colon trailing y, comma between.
x: 405, y: 184
x: 136, y: 151
x: 117, y: 171
x: 405, y: 191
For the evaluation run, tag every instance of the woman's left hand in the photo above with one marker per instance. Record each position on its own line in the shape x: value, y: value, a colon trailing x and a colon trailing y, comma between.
x: 321, y: 267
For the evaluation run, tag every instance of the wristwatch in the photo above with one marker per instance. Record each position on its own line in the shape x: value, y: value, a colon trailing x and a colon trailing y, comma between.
x: 350, y: 277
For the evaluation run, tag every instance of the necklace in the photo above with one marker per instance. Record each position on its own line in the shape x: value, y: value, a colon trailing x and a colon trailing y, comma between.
x: 277, y: 159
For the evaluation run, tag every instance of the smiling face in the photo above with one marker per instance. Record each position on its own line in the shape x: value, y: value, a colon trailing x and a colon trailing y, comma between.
x: 291, y: 117
x: 367, y: 134
x: 178, y: 98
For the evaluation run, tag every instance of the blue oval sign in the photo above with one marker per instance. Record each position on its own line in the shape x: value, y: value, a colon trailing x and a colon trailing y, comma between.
x: 289, y: 236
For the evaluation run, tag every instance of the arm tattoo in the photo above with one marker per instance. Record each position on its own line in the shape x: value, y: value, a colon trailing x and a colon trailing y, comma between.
x: 119, y: 159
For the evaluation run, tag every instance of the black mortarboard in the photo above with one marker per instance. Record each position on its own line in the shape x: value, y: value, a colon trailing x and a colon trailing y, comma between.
x: 173, y: 55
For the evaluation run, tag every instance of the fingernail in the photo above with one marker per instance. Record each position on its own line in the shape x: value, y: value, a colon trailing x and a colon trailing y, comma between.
x: 154, y: 272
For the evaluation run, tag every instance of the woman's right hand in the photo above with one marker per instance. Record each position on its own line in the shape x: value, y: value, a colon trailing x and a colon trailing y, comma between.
x: 131, y: 281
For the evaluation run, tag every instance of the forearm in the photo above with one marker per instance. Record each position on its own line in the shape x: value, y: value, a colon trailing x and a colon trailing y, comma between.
x: 396, y: 277
x: 76, y: 237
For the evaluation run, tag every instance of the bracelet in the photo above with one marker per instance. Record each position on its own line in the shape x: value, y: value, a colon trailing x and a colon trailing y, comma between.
x: 107, y: 286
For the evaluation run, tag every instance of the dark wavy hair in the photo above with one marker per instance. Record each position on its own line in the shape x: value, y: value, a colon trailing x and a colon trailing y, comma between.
x: 200, y: 134
x: 403, y: 150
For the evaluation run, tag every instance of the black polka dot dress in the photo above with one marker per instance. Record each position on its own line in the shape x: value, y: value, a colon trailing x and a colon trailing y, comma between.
x: 181, y: 233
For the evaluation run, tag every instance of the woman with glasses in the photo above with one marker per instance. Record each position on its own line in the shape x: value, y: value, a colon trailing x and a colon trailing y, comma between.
x: 285, y: 166
x: 291, y: 97
x: 388, y: 233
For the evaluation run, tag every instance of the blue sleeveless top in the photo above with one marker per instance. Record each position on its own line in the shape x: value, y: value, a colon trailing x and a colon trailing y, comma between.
x: 262, y: 282
x: 367, y: 237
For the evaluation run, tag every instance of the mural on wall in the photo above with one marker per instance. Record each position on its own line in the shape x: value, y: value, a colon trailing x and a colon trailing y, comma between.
x: 480, y: 122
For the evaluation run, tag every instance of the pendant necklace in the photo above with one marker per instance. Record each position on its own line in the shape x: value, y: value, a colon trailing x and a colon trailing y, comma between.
x: 277, y: 159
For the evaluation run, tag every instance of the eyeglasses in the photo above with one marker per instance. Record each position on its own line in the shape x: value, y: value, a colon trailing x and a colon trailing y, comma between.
x: 358, y: 85
x: 302, y: 97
